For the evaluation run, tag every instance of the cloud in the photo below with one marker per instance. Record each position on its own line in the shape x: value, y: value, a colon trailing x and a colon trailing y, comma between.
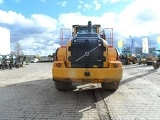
x: 63, y: 4
x: 80, y: 4
x: 10, y: 17
x: 139, y: 20
x: 1, y: 2
x: 40, y: 33
x: 80, y: 1
x: 38, y: 43
x: 97, y: 5
x: 33, y: 32
x: 67, y: 20
x: 44, y: 22
x: 114, y: 1
x: 135, y: 20
x: 105, y: 1
x: 110, y: 1
x: 86, y: 6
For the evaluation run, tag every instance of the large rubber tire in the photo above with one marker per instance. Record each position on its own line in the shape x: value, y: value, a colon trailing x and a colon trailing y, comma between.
x: 126, y: 61
x: 10, y: 66
x: 156, y: 65
x: 111, y: 86
x: 123, y: 61
x: 134, y: 61
x: 63, y: 86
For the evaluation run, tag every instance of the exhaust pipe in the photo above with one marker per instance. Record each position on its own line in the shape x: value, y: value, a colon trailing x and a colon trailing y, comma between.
x: 89, y: 26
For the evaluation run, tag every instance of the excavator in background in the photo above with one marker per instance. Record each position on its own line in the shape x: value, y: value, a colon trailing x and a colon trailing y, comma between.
x: 87, y: 58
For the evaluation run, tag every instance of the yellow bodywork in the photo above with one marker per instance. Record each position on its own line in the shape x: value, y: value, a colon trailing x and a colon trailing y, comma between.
x: 112, y: 70
x: 97, y: 75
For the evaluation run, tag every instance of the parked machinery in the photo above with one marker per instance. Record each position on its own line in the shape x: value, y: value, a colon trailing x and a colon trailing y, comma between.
x: 152, y: 57
x: 1, y: 57
x: 19, y: 61
x: 87, y: 58
x: 140, y: 59
x: 156, y: 63
x: 5, y: 62
x: 10, y: 61
x: 127, y: 57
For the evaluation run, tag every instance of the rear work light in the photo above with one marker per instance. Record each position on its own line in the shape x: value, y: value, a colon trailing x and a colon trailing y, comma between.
x: 98, y: 40
x: 115, y: 65
x: 75, y: 41
x: 58, y: 65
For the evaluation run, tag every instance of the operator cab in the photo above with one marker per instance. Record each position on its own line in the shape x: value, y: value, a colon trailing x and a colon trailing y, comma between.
x: 87, y: 49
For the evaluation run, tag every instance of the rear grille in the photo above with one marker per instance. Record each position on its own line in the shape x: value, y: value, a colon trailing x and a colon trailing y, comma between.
x: 86, y: 53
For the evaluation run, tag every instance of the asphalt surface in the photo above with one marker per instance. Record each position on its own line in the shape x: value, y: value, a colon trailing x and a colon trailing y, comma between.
x: 28, y: 93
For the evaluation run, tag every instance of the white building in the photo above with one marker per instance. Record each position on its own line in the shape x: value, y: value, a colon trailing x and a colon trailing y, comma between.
x: 4, y: 41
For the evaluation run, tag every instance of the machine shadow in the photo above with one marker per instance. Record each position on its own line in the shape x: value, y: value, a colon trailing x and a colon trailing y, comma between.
x: 136, y: 66
x: 137, y: 76
x: 40, y: 99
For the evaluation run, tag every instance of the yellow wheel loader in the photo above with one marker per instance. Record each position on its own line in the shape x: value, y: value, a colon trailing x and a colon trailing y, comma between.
x: 87, y: 58
x: 127, y: 57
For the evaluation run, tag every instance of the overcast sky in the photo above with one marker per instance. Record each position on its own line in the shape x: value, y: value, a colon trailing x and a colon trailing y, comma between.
x: 36, y: 24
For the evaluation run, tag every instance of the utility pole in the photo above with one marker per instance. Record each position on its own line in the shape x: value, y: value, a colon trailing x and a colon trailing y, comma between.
x: 149, y: 46
x: 132, y: 47
x: 46, y: 51
x: 30, y: 54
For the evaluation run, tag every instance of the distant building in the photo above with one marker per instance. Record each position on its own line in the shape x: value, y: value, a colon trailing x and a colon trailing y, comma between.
x: 40, y: 58
x: 4, y: 41
x: 139, y: 50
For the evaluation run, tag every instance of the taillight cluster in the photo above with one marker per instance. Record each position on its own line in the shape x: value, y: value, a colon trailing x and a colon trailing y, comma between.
x: 58, y: 65
x: 115, y: 65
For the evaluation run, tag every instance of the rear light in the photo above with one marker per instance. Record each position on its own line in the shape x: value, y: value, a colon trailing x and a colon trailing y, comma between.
x: 75, y: 41
x: 98, y: 40
x: 115, y: 65
x: 58, y: 65
x: 99, y: 45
